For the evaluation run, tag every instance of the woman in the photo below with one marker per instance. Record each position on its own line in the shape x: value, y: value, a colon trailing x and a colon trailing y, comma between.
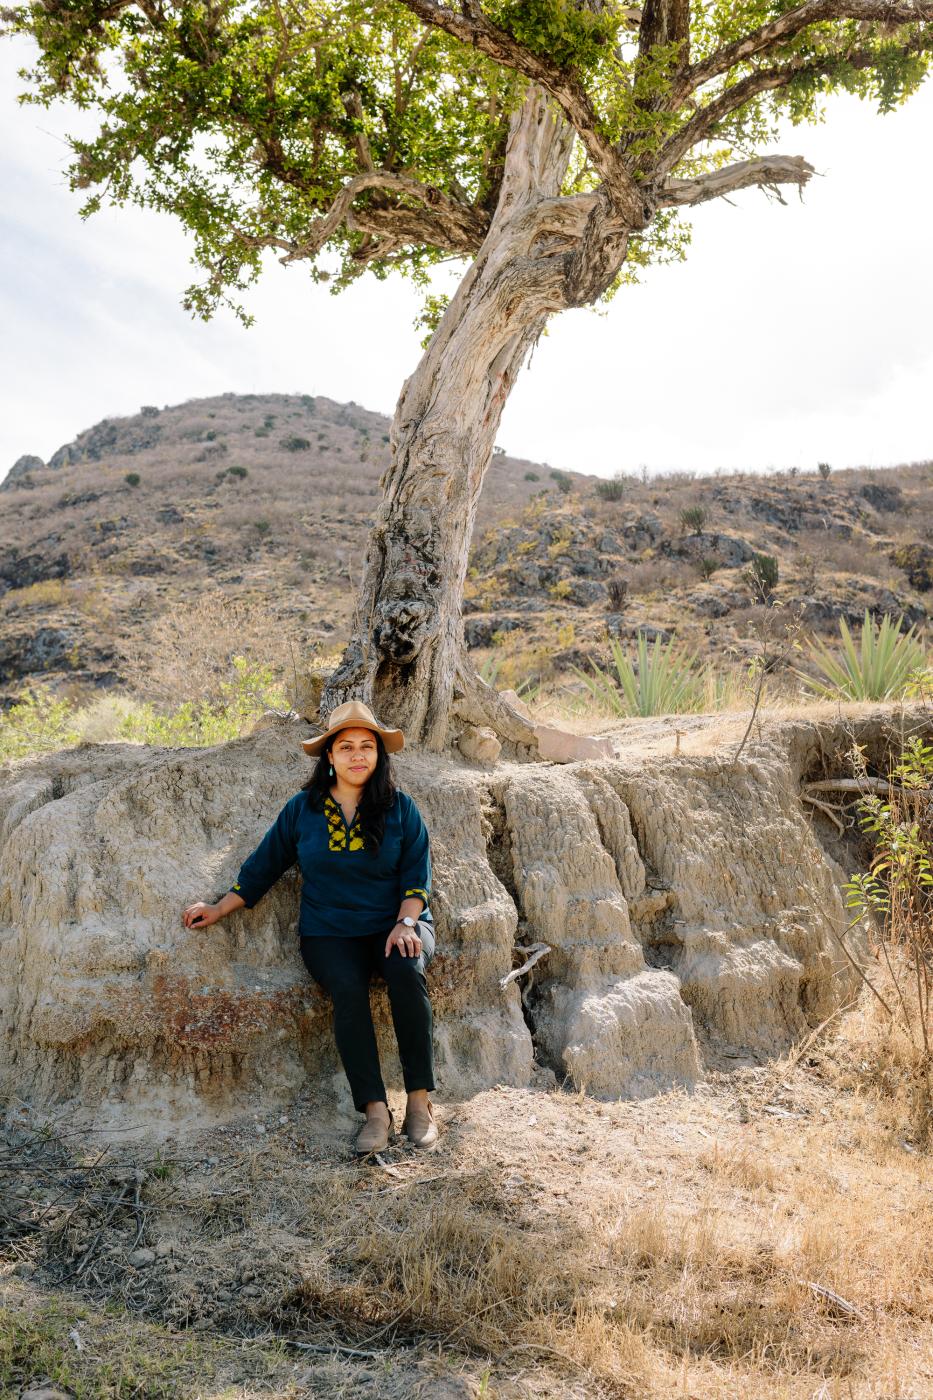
x: 365, y: 860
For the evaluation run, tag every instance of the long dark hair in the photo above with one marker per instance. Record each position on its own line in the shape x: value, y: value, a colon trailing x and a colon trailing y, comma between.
x: 378, y: 794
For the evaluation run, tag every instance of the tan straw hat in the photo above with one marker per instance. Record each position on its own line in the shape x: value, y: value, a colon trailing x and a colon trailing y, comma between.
x: 354, y: 715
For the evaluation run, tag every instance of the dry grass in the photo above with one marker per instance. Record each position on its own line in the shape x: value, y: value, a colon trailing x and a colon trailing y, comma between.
x: 766, y: 1238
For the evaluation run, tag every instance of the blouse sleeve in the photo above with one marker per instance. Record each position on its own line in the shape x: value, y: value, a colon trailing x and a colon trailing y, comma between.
x: 276, y: 853
x: 415, y: 867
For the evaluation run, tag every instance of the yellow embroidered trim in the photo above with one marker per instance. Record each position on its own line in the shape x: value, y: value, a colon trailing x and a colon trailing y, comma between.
x: 423, y: 893
x: 236, y: 887
x: 338, y: 838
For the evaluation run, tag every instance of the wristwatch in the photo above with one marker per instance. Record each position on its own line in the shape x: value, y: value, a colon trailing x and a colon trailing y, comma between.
x: 408, y: 921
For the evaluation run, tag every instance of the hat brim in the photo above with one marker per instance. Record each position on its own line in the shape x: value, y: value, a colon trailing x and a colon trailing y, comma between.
x: 393, y: 739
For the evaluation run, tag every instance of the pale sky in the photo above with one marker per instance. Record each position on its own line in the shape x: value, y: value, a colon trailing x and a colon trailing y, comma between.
x: 791, y: 335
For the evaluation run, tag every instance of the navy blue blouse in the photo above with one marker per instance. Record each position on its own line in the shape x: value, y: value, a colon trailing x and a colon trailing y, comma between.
x: 347, y: 890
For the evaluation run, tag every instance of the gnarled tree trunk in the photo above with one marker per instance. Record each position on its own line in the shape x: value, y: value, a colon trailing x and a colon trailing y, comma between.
x: 406, y: 657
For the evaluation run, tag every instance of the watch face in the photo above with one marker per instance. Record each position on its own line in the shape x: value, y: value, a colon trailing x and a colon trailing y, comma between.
x: 408, y: 921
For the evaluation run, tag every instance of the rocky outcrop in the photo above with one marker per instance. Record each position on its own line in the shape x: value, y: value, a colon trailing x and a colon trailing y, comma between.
x: 20, y: 474
x: 686, y: 903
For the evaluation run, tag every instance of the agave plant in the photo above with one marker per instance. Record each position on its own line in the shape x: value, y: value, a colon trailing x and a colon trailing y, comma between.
x: 664, y: 679
x: 881, y: 667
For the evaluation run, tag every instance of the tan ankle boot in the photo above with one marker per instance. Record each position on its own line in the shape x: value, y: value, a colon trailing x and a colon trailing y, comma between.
x: 420, y: 1127
x: 374, y: 1134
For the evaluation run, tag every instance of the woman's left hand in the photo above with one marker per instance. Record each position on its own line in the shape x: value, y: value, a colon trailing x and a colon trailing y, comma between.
x: 405, y: 939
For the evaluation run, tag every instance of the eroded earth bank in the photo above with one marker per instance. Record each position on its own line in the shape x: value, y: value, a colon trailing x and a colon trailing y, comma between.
x: 691, y: 902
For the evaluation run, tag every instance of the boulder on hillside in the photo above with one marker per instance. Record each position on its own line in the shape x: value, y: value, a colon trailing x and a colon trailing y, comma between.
x: 883, y: 496
x: 728, y: 551
x: 113, y: 1012
x: 20, y: 474
x: 20, y: 570
x: 916, y: 560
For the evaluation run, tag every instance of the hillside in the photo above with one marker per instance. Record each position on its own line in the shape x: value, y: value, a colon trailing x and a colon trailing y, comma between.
x: 240, y: 523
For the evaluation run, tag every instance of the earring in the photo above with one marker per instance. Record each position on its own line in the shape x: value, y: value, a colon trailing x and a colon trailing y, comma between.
x: 331, y: 770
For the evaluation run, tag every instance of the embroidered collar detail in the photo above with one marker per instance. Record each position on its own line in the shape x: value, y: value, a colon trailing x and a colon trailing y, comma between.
x: 338, y: 837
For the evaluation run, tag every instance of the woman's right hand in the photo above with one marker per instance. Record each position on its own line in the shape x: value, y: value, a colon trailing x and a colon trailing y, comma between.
x: 201, y: 915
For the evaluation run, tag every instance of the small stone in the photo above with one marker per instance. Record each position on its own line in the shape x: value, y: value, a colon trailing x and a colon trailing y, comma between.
x: 260, y: 1128
x: 250, y: 1291
x: 164, y: 1249
x: 24, y: 1270
x: 562, y: 747
x: 142, y: 1258
x: 480, y: 744
x: 46, y: 1392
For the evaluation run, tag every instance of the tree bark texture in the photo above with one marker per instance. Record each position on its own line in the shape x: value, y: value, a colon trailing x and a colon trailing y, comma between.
x: 406, y: 657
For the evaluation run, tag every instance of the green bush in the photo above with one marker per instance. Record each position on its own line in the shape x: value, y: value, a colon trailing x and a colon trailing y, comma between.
x: 295, y: 444
x: 238, y: 471
x: 762, y: 576
x: 664, y: 679
x: 611, y: 488
x: 824, y: 469
x: 532, y: 476
x: 707, y: 566
x: 693, y: 518
x: 561, y: 480
x: 132, y: 478
x: 882, y: 666
x: 38, y: 723
x: 195, y: 724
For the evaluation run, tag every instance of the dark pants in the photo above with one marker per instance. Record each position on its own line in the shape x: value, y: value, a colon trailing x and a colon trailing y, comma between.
x: 344, y: 968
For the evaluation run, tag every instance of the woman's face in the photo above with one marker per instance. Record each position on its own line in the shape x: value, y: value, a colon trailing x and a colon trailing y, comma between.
x: 354, y: 755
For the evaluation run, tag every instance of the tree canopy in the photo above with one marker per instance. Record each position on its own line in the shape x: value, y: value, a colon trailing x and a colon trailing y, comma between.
x: 359, y: 134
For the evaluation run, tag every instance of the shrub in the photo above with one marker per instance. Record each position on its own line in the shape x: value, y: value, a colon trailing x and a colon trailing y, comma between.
x: 897, y: 892
x: 762, y: 576
x: 664, y: 679
x: 295, y: 444
x: 566, y: 635
x: 561, y: 480
x: 149, y: 410
x: 38, y: 723
x: 611, y: 488
x: 195, y: 724
x: 617, y: 589
x: 309, y: 403
x: 532, y: 476
x: 263, y: 526
x: 238, y: 471
x: 707, y: 566
x: 824, y: 469
x: 882, y: 667
x: 385, y: 437
x: 693, y: 518
x: 132, y: 478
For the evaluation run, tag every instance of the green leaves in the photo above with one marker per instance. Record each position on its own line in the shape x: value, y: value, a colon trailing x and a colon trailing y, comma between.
x: 664, y: 679
x: 881, y: 667
x: 245, y: 120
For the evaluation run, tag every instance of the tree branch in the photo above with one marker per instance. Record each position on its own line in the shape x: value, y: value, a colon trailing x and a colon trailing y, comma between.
x: 473, y: 27
x: 766, y: 172
x: 703, y: 123
x: 788, y: 25
x: 463, y: 228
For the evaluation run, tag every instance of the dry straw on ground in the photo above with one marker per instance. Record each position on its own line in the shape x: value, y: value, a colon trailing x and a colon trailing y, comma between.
x: 765, y: 1237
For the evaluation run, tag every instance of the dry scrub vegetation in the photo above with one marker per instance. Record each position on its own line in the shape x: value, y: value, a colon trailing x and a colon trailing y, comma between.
x: 767, y: 1236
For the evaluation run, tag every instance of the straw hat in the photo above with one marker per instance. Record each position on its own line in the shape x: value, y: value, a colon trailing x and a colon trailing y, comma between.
x: 354, y: 715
